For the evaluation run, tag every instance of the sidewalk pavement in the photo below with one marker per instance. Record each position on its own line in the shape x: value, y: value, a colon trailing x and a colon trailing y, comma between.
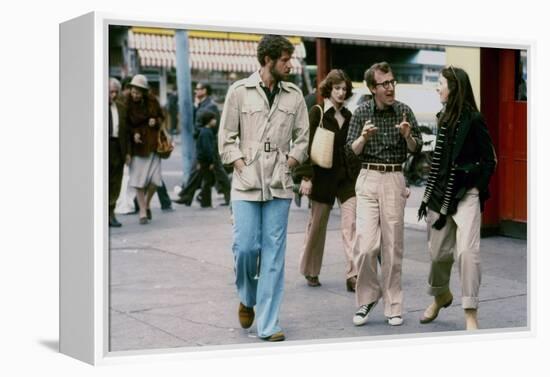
x: 172, y: 284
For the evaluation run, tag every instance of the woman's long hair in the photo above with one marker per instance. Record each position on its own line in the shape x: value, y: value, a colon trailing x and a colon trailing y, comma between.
x: 461, y: 96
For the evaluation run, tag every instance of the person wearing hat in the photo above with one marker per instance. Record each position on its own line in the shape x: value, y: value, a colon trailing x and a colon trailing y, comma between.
x: 143, y: 119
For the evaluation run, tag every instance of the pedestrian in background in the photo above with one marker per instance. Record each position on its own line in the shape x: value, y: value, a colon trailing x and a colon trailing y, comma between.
x: 325, y: 185
x: 172, y: 108
x: 144, y: 119
x: 381, y: 133
x: 457, y: 188
x: 262, y: 115
x: 205, y: 103
x: 206, y: 152
x: 162, y: 192
x: 118, y: 147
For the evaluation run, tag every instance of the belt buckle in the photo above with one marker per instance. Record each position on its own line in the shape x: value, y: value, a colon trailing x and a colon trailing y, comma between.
x: 267, y: 146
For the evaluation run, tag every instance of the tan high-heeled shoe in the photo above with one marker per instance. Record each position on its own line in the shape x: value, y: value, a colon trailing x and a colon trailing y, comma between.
x: 441, y: 301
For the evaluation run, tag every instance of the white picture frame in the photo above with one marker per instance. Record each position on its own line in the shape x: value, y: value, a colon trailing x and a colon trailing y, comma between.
x: 83, y: 178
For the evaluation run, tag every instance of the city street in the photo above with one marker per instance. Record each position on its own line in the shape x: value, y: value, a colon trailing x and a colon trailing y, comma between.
x: 172, y: 281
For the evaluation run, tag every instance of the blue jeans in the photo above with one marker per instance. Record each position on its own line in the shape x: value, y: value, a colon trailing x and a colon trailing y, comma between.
x: 259, y: 239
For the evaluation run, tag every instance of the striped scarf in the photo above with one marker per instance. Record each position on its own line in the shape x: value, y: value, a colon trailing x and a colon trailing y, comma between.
x: 434, y: 171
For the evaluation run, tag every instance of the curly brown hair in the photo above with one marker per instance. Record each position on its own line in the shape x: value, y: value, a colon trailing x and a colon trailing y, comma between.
x: 335, y: 76
x: 273, y: 46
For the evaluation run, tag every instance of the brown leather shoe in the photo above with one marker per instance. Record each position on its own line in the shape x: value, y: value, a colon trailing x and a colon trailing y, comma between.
x: 313, y: 281
x: 277, y: 337
x: 350, y: 283
x: 246, y: 316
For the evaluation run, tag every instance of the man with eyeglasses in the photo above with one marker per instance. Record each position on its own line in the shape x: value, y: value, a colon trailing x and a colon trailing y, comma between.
x: 382, y: 131
x: 203, y: 103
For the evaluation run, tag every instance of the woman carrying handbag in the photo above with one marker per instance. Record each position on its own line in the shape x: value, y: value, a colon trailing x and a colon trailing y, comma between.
x: 144, y: 120
x: 334, y: 181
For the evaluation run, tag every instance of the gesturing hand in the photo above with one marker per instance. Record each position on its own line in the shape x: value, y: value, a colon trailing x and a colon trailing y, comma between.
x: 404, y: 127
x: 368, y: 129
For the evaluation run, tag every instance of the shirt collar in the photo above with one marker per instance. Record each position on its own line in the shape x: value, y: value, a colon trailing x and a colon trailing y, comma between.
x: 276, y: 88
x: 204, y: 101
x: 328, y: 105
x: 255, y: 80
x: 394, y: 107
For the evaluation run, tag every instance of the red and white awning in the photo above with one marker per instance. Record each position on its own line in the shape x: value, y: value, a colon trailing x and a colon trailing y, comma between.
x: 213, y: 54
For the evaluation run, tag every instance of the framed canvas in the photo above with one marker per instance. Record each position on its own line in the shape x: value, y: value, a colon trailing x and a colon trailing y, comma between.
x: 166, y: 288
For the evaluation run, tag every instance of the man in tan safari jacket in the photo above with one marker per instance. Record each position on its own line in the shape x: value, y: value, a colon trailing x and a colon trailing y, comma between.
x: 262, y: 115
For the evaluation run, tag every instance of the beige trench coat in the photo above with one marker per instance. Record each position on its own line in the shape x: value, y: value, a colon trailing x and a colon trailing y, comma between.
x: 262, y: 137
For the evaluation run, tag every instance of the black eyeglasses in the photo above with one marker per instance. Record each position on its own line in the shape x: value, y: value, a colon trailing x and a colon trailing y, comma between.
x: 386, y: 84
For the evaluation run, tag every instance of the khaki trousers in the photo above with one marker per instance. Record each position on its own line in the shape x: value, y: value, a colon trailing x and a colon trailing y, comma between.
x: 381, y: 199
x: 311, y: 258
x: 458, y: 239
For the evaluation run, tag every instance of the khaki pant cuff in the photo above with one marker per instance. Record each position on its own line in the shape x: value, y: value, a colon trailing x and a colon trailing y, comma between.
x: 470, y: 302
x: 436, y: 291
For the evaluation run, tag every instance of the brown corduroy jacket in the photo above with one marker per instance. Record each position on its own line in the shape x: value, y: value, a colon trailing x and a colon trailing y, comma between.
x: 137, y: 122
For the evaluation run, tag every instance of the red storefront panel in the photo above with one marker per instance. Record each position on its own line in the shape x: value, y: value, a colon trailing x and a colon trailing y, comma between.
x: 507, y: 122
x: 520, y: 161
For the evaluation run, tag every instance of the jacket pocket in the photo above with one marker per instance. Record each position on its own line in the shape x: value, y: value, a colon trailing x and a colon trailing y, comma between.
x: 282, y: 176
x: 466, y: 176
x: 248, y: 178
x: 286, y: 115
x: 251, y: 111
x: 251, y: 116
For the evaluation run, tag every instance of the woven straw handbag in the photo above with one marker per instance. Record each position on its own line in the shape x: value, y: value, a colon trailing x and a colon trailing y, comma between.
x: 322, y: 145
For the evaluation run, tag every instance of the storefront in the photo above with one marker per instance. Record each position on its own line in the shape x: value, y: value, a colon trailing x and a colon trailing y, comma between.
x: 217, y: 58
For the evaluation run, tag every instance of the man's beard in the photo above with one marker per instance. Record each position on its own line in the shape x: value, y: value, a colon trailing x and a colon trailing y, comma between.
x: 278, y: 76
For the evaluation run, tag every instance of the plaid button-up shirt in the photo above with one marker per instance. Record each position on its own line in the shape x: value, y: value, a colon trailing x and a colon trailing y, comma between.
x: 386, y: 146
